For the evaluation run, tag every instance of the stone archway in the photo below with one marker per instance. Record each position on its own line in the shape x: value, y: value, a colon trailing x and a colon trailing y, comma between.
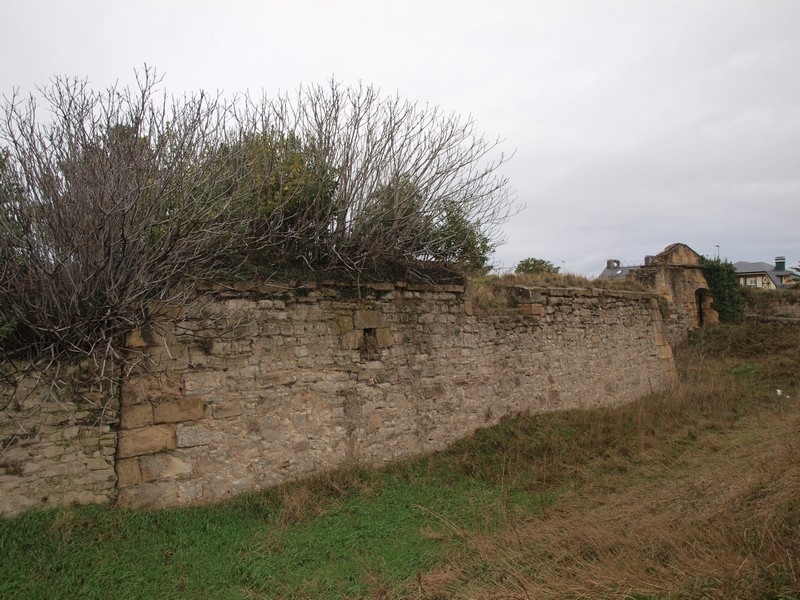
x: 705, y: 314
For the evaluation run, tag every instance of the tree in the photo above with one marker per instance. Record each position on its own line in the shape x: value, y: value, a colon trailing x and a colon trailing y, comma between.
x: 535, y: 265
x: 726, y: 291
x: 461, y: 241
x: 402, y: 171
x: 9, y: 245
x: 289, y: 195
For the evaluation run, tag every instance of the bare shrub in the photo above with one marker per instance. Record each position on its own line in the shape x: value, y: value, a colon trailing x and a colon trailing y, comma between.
x: 115, y: 199
x: 388, y: 180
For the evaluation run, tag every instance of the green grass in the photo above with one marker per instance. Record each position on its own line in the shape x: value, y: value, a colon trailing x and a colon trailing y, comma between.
x: 342, y: 542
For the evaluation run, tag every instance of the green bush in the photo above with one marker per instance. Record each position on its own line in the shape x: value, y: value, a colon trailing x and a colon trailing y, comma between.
x: 532, y: 266
x: 723, y: 282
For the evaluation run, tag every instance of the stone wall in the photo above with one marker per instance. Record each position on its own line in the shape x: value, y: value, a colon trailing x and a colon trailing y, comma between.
x: 57, y: 438
x: 255, y: 386
x: 260, y: 386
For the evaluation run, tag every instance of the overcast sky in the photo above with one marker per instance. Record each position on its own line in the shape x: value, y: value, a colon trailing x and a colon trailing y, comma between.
x: 635, y: 123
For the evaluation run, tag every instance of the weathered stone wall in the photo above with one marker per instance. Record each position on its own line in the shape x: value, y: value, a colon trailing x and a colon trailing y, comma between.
x: 57, y: 439
x: 259, y: 386
x: 251, y: 391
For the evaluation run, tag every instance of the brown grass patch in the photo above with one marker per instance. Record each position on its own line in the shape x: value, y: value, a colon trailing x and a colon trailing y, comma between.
x: 698, y: 528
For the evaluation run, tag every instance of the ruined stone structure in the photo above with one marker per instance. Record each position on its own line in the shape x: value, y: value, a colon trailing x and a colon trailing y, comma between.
x: 676, y: 275
x: 261, y: 386
x: 680, y: 281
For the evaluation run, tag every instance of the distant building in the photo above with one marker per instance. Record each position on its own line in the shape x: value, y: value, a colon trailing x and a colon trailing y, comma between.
x: 615, y: 270
x: 766, y: 276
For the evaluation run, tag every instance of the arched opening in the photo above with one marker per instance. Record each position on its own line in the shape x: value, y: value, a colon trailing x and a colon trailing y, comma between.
x: 702, y: 299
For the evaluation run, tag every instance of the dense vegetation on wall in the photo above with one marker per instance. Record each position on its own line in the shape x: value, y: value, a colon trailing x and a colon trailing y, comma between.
x: 726, y: 291
x: 115, y: 196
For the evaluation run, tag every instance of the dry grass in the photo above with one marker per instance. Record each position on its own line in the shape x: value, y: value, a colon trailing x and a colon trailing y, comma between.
x: 694, y: 494
x: 308, y: 499
x: 695, y: 530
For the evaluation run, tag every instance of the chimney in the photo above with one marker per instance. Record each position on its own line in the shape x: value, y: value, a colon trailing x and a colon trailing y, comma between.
x: 612, y: 263
x: 649, y: 260
x: 780, y: 263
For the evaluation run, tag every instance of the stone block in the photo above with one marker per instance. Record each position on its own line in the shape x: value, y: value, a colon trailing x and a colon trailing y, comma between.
x: 382, y: 286
x: 660, y: 339
x: 97, y: 464
x: 188, y: 437
x: 374, y: 422
x: 202, y: 382
x: 535, y: 310
x: 128, y: 472
x: 371, y: 319
x: 468, y: 308
x: 92, y: 478
x: 70, y: 432
x: 138, y: 415
x: 190, y: 491
x: 134, y: 339
x: 185, y: 409
x: 385, y: 337
x: 432, y: 391
x: 528, y: 295
x: 166, y: 465
x: 149, y: 495
x: 352, y: 340
x: 226, y: 410
x: 341, y: 324
x: 163, y: 357
x: 52, y: 452
x: 146, y: 440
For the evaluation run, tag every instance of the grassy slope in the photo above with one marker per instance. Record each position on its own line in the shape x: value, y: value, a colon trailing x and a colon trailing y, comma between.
x: 687, y: 495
